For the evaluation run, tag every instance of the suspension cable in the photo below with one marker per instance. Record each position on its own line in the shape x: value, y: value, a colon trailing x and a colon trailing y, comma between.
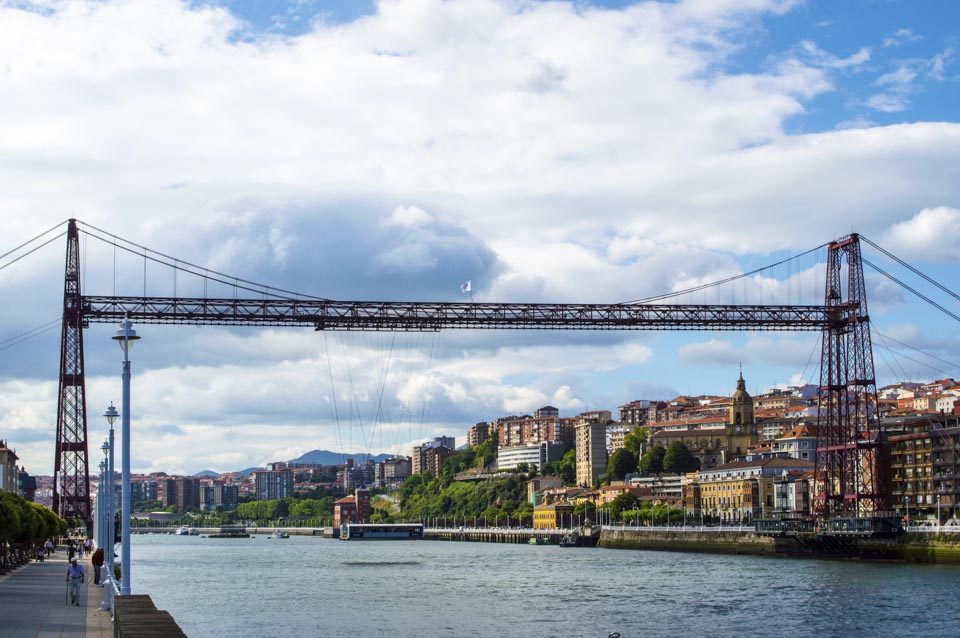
x: 915, y: 349
x: 260, y: 288
x: 908, y: 287
x: 231, y: 282
x: 911, y: 268
x: 32, y: 250
x: 720, y: 282
x: 29, y: 241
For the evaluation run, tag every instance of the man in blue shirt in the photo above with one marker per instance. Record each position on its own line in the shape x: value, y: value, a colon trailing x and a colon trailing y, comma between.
x: 75, y: 576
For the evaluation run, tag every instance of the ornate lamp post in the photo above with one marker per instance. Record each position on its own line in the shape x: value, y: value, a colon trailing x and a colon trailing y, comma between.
x: 125, y: 336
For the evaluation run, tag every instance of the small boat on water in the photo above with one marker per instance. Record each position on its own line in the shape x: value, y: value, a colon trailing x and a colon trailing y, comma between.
x: 568, y: 541
x: 277, y: 534
x: 182, y: 531
x: 535, y: 540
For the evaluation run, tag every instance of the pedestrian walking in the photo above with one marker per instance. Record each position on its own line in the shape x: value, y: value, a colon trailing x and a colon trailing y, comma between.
x: 97, y: 561
x: 75, y: 576
x: 80, y: 551
x: 40, y: 554
x: 71, y: 550
x: 48, y: 546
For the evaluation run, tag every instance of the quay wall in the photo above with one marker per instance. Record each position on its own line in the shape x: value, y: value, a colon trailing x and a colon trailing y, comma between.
x: 915, y: 548
x: 733, y: 542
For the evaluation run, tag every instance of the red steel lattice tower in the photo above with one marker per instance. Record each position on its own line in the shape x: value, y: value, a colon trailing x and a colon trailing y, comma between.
x: 71, y: 485
x: 850, y: 477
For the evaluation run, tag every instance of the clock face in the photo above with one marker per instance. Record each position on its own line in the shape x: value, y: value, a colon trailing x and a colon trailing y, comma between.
x: 736, y: 429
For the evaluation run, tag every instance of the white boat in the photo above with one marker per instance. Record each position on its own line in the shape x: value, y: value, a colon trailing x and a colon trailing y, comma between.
x: 277, y: 534
x: 182, y: 531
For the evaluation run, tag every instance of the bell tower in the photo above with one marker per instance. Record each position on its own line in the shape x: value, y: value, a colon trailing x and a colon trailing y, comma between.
x: 741, y: 408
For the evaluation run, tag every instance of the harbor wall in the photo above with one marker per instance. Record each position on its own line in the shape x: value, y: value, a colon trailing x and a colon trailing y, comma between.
x: 915, y: 548
x: 732, y: 542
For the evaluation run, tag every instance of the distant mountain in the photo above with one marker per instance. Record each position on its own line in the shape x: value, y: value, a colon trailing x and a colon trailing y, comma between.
x: 250, y: 470
x: 326, y: 457
x: 206, y: 474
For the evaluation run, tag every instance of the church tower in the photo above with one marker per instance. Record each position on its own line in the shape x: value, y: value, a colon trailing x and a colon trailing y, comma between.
x: 741, y: 408
x: 741, y: 431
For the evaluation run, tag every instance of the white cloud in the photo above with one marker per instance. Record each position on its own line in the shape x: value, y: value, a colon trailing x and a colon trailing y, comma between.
x: 933, y: 234
x: 819, y: 57
x: 888, y: 103
x: 546, y: 150
x: 901, y: 37
x: 409, y: 217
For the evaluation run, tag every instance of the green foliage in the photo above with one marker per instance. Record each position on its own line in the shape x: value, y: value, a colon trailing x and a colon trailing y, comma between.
x: 485, y: 453
x: 636, y: 439
x: 678, y: 459
x: 621, y: 463
x: 427, y: 497
x: 652, y: 461
x: 625, y: 501
x: 565, y: 469
x: 24, y: 523
x: 149, y: 505
x: 584, y: 508
x: 659, y: 515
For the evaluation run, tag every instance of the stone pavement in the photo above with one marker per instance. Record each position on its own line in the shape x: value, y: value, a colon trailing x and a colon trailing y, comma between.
x: 33, y: 603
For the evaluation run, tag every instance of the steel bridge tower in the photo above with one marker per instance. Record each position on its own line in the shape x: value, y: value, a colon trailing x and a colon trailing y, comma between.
x: 71, y: 483
x: 852, y: 479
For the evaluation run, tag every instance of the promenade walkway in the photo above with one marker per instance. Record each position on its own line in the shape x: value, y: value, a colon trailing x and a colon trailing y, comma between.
x: 33, y: 603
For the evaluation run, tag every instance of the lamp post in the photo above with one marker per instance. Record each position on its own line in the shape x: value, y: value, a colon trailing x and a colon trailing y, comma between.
x: 111, y: 504
x: 101, y: 505
x: 906, y: 504
x: 125, y: 336
x: 108, y: 510
x: 938, y: 512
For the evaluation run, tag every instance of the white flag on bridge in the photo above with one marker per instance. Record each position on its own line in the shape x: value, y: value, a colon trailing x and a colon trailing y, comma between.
x: 466, y: 286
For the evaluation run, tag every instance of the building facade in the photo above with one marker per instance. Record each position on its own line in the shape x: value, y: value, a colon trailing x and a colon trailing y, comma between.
x: 9, y: 474
x: 535, y: 455
x: 478, y: 433
x: 429, y: 458
x: 273, y: 484
x: 591, y: 449
x: 181, y: 491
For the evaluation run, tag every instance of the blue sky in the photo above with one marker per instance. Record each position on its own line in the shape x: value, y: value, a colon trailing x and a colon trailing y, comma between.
x: 582, y: 152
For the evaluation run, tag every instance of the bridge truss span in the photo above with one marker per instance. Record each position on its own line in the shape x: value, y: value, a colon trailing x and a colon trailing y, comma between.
x: 851, y: 477
x: 429, y: 316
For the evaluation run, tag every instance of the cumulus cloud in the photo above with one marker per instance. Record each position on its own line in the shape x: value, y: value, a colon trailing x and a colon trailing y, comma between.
x: 547, y: 151
x: 933, y: 234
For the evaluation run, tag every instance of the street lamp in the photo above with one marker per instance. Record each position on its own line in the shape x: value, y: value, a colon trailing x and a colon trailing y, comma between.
x: 125, y: 336
x: 108, y: 510
x: 101, y: 505
x: 938, y: 512
x: 906, y: 503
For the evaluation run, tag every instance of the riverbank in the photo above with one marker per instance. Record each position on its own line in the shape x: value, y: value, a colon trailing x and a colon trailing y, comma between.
x: 911, y: 548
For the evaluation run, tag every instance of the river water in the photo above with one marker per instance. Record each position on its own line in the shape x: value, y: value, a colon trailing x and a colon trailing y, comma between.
x: 305, y: 586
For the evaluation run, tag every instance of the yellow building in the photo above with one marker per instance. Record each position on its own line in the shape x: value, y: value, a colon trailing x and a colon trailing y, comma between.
x: 552, y: 516
x: 740, y: 491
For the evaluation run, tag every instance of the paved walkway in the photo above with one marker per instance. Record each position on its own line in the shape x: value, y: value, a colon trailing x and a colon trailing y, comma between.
x: 33, y: 603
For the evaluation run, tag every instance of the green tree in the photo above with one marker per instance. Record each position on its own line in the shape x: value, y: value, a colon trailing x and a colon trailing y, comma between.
x: 565, y: 469
x: 621, y: 463
x: 678, y: 459
x: 625, y: 501
x: 636, y: 439
x: 652, y: 461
